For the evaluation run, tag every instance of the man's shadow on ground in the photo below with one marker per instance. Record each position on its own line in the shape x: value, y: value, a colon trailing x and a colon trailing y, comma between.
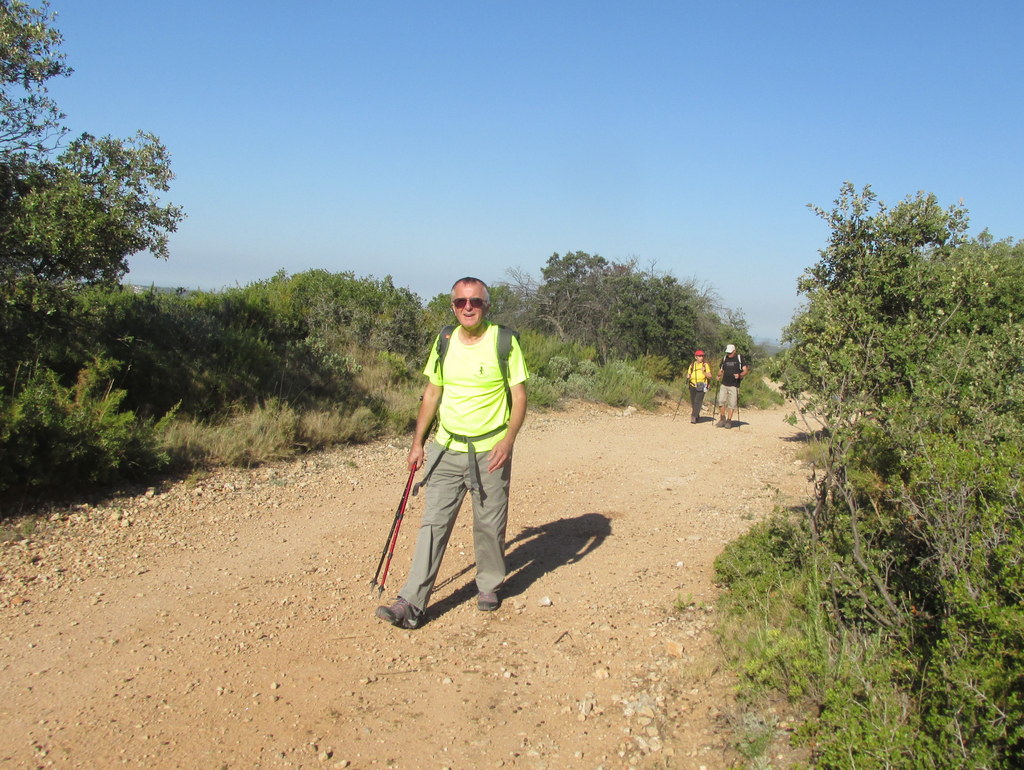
x: 534, y: 552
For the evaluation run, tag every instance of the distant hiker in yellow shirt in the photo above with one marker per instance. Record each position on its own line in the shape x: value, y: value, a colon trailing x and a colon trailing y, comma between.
x: 698, y: 377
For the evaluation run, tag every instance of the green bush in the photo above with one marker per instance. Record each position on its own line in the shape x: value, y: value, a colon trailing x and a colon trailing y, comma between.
x: 619, y: 384
x: 909, y: 356
x: 656, y: 367
x: 768, y: 575
x: 547, y: 357
x: 52, y: 435
x: 758, y: 394
x: 543, y: 393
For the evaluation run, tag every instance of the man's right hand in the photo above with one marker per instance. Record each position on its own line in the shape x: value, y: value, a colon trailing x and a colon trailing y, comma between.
x: 416, y: 457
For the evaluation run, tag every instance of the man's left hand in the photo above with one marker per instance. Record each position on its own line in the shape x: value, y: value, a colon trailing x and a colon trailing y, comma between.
x: 500, y: 454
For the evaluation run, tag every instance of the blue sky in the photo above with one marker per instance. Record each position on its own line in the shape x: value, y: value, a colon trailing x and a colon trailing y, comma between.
x: 429, y: 140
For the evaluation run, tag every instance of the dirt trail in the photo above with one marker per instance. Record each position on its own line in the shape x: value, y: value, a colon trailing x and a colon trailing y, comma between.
x: 229, y: 623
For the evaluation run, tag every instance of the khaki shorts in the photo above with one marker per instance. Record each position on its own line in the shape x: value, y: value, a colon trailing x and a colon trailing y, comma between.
x: 728, y: 396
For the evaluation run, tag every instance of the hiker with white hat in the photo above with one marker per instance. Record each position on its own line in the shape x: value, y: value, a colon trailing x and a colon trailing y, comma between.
x: 732, y: 370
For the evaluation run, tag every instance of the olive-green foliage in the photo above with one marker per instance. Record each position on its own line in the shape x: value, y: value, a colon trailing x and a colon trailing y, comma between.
x: 910, y: 355
x: 654, y: 366
x: 619, y: 384
x: 544, y: 393
x: 766, y: 572
x: 567, y: 370
x: 70, y: 216
x: 546, y: 356
x: 30, y: 121
x: 623, y: 312
x: 51, y: 433
x: 757, y: 393
x: 312, y: 344
x: 297, y: 338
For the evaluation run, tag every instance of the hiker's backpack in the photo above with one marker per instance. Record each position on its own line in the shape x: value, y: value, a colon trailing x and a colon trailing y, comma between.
x: 505, y: 335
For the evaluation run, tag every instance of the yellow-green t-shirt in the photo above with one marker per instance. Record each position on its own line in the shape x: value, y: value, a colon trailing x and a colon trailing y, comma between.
x: 474, y: 402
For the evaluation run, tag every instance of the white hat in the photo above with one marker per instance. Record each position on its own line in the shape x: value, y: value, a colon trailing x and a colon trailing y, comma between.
x: 730, y: 348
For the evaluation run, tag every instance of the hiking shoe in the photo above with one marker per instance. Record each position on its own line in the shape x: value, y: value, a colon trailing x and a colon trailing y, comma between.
x: 728, y: 423
x: 693, y: 421
x: 720, y: 424
x: 401, y: 614
x: 487, y: 602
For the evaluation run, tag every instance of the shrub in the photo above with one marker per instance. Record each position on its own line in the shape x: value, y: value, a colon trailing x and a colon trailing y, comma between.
x: 619, y: 384
x: 539, y: 350
x: 51, y: 434
x: 542, y: 392
x: 768, y: 574
x: 905, y: 356
x: 758, y: 394
x: 656, y: 367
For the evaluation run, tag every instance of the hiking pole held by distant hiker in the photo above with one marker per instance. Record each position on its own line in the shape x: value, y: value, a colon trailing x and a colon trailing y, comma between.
x: 389, y: 545
x: 680, y: 401
x: 714, y: 403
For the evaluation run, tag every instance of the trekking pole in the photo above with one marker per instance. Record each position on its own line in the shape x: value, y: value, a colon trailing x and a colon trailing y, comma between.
x: 714, y: 403
x: 389, y: 544
x: 678, y: 403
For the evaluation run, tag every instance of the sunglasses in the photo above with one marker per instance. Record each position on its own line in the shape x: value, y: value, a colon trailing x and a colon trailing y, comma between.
x: 475, y: 302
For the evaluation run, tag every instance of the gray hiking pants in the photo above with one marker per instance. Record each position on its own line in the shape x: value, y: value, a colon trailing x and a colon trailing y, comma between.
x: 446, y: 489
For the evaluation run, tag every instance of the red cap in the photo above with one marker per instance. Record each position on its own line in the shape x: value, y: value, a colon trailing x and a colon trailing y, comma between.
x: 698, y: 352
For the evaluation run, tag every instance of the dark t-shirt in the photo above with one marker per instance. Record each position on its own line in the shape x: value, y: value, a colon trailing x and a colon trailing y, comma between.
x: 731, y: 368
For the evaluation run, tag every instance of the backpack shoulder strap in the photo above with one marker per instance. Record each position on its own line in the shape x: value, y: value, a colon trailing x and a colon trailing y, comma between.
x: 444, y: 337
x: 505, y: 336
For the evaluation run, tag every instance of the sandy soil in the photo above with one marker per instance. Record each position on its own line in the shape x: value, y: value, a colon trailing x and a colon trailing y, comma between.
x: 228, y: 623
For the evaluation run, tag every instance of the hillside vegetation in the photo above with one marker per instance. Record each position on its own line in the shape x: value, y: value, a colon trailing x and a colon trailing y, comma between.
x: 893, y: 605
x: 124, y: 383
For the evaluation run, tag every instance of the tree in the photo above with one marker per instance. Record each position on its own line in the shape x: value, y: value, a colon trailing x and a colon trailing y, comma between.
x: 30, y: 122
x: 80, y: 217
x: 625, y: 312
x: 575, y: 299
x: 868, y: 316
x: 911, y: 350
x: 71, y: 217
x: 655, y: 314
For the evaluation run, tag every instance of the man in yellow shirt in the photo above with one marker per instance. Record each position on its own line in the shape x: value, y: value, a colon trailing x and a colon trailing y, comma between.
x: 480, y: 412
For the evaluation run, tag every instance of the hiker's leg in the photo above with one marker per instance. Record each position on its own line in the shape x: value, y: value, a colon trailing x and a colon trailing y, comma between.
x: 490, y: 519
x: 445, y: 491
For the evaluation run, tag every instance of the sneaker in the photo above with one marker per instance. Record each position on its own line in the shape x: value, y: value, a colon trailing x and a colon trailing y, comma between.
x: 487, y: 602
x: 401, y: 614
x: 693, y: 421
